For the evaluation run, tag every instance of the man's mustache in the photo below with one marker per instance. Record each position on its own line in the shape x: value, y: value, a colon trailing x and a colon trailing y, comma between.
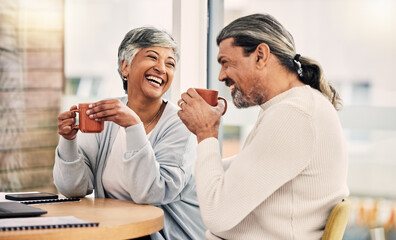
x: 228, y: 82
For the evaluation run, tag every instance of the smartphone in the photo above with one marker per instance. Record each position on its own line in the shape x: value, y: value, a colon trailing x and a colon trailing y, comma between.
x: 30, y: 196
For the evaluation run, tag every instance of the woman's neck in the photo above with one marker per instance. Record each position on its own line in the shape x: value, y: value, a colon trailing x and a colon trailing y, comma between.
x: 145, y: 108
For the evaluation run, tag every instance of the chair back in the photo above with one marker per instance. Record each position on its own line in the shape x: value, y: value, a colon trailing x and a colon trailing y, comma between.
x: 337, y: 221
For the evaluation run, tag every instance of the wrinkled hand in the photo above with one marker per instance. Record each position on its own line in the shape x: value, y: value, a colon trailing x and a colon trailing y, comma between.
x: 113, y: 110
x: 66, y: 120
x: 199, y: 117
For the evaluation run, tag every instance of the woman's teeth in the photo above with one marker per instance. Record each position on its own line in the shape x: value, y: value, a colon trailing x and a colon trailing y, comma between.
x: 155, y: 80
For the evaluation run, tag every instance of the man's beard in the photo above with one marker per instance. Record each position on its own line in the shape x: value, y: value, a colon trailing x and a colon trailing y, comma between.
x: 242, y: 100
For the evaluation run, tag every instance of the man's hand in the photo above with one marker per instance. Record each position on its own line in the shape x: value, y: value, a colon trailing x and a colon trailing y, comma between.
x: 199, y: 117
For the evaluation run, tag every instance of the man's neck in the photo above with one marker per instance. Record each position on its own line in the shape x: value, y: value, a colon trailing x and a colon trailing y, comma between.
x: 281, y: 81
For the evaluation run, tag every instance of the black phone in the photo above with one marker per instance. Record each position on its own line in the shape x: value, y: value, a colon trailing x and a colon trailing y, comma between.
x: 30, y: 196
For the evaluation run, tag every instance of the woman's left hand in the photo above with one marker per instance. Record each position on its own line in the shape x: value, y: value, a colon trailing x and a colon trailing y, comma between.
x: 113, y: 110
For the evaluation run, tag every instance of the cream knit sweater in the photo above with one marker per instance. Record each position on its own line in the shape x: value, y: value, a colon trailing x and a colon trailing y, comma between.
x: 282, y: 185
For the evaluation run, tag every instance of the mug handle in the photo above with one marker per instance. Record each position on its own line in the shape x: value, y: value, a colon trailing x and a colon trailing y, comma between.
x: 76, y: 126
x: 225, y: 104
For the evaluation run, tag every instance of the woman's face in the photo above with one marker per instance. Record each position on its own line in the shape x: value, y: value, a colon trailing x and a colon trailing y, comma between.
x: 151, y: 72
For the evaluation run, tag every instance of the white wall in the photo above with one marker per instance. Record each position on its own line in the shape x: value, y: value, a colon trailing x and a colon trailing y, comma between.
x: 190, y: 31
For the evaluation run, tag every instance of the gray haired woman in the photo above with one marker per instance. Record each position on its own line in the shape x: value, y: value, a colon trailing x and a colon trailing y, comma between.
x: 144, y: 154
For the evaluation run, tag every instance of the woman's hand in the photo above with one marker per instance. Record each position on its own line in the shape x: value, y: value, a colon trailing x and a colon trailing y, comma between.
x: 66, y: 120
x: 113, y: 110
x: 199, y: 117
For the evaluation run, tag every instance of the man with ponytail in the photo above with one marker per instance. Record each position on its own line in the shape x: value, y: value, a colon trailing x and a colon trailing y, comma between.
x: 292, y: 168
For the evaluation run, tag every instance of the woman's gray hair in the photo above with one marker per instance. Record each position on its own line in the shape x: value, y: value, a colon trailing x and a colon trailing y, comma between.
x: 140, y: 38
x: 249, y: 31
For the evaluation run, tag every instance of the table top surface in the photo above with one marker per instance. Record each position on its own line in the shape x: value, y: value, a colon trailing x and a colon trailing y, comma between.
x: 118, y: 219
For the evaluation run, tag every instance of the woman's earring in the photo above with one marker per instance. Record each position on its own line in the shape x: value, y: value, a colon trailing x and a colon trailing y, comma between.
x: 125, y: 82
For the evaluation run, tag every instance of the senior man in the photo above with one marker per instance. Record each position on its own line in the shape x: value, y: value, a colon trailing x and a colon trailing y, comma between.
x: 292, y: 168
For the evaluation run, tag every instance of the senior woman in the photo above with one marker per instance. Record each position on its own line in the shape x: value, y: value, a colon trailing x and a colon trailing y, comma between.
x: 144, y: 154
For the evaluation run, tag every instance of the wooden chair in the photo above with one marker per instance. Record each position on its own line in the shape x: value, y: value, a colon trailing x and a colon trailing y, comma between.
x: 337, y: 221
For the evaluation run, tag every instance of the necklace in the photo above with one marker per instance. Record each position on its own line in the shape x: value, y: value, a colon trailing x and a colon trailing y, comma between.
x: 155, y: 117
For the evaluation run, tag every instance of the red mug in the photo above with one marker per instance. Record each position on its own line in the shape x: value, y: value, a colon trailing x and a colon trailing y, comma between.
x: 86, y: 124
x: 211, y: 97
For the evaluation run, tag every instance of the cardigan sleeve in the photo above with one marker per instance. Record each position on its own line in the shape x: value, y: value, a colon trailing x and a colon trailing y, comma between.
x: 72, y: 172
x: 157, y: 173
x: 279, y: 148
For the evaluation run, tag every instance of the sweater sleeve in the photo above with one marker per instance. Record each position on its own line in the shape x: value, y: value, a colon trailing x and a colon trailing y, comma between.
x: 227, y: 162
x: 157, y: 174
x: 72, y: 172
x: 279, y: 148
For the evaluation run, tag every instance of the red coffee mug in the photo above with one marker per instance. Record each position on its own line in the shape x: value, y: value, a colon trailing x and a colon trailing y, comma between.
x: 86, y: 124
x: 211, y: 97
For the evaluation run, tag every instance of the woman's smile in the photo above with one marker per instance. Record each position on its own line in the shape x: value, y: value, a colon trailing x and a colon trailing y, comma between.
x: 155, y: 81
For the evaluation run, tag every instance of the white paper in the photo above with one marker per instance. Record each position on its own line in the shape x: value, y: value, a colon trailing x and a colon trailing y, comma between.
x: 40, y: 221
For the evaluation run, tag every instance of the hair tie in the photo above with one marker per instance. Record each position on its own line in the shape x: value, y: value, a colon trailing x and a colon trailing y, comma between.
x: 296, y: 60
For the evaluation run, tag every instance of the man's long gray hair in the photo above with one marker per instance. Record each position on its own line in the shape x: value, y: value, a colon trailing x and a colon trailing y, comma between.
x: 140, y: 38
x: 249, y: 31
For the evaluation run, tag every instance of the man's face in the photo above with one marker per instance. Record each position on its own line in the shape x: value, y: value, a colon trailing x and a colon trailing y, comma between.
x: 239, y: 73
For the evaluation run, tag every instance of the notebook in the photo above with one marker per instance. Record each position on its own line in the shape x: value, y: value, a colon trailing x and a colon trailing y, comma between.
x: 32, y: 223
x: 16, y: 209
x: 51, y: 201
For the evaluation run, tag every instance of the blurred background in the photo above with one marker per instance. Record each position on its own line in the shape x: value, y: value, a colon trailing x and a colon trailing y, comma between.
x: 57, y: 53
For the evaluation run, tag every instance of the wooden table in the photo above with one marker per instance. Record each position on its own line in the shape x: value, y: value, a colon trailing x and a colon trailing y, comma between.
x: 118, y: 219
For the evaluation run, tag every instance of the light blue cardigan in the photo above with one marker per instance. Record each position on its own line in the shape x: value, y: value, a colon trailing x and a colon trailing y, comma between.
x: 159, y: 170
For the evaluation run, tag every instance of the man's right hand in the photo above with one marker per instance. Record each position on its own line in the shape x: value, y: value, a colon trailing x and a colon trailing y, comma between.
x: 199, y: 117
x: 66, y: 120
